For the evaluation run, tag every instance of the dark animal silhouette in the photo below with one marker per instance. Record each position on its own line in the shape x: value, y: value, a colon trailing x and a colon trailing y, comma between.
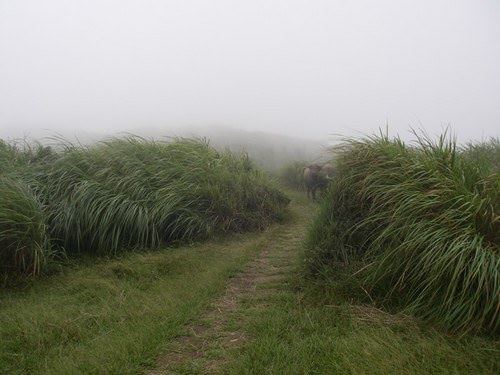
x: 312, y: 179
x: 316, y: 177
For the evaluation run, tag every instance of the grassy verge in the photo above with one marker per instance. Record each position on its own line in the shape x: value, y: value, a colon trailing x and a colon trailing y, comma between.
x: 302, y: 326
x: 114, y: 316
x: 313, y: 331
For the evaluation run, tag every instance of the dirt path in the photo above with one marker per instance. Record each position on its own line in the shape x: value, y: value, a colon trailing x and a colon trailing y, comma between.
x: 207, y: 342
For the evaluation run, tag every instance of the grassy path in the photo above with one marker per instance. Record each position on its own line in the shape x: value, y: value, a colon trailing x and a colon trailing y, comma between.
x: 271, y: 321
x: 207, y: 343
x: 114, y: 316
x: 237, y: 306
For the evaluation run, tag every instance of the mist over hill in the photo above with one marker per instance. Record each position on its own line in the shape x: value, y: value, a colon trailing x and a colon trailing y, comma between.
x: 271, y: 151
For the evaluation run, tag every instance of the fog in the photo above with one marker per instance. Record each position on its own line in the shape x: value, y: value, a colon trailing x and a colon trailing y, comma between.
x: 304, y: 69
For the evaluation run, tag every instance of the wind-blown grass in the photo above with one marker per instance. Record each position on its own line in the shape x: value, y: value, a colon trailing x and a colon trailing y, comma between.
x: 486, y: 154
x: 136, y: 193
x: 121, y: 194
x: 424, y: 223
x: 23, y: 235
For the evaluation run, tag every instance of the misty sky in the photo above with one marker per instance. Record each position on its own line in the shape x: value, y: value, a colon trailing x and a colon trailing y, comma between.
x: 303, y: 68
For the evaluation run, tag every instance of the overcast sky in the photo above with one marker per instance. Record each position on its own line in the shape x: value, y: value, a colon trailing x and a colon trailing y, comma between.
x: 303, y: 68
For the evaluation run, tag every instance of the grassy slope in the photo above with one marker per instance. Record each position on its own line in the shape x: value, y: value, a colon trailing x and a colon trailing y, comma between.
x: 117, y: 316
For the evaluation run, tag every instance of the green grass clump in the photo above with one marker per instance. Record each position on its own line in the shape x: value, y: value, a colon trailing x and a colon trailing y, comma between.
x: 292, y: 175
x: 135, y: 193
x: 24, y: 242
x: 23, y: 235
x: 423, y: 220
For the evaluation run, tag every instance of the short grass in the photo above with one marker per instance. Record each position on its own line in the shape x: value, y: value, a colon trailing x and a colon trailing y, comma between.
x: 115, y: 316
x: 313, y: 331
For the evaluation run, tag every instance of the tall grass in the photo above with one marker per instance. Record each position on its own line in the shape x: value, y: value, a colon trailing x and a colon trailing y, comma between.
x: 22, y: 154
x: 423, y: 220
x: 124, y: 193
x: 23, y: 234
x: 136, y: 193
x: 486, y: 154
